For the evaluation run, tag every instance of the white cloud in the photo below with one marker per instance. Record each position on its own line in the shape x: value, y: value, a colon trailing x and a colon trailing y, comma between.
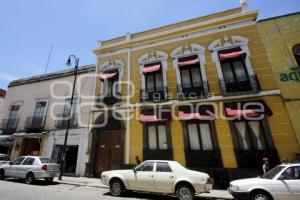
x: 7, y: 77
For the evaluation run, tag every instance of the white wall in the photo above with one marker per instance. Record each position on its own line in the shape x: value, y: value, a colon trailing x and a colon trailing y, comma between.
x: 2, y: 100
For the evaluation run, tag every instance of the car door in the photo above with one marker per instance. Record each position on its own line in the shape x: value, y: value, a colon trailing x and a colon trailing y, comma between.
x: 12, y: 170
x: 291, y: 178
x: 143, y: 178
x: 164, y: 177
x: 25, y: 167
x: 282, y: 187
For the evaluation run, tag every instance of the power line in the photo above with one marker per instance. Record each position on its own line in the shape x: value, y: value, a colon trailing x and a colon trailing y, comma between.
x: 48, y: 58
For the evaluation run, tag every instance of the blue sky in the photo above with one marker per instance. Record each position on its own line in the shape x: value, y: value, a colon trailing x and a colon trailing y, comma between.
x: 29, y: 28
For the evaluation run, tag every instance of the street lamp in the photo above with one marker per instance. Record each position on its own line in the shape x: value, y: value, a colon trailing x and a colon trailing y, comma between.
x: 63, y: 153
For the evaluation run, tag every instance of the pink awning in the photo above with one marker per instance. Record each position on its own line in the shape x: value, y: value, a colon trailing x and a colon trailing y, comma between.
x: 150, y: 118
x: 152, y: 68
x: 234, y: 113
x: 190, y: 116
x: 108, y: 75
x: 233, y: 54
x: 188, y: 62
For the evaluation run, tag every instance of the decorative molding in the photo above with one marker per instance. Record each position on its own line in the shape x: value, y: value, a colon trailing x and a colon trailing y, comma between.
x: 155, y: 56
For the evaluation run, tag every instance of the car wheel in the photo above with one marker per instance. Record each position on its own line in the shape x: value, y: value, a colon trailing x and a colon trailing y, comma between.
x: 260, y: 195
x: 2, y: 176
x: 185, y: 192
x: 29, y: 178
x: 116, y: 187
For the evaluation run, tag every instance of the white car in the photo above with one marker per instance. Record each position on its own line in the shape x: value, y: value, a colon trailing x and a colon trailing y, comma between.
x: 281, y: 182
x: 4, y: 159
x: 30, y: 168
x: 166, y: 177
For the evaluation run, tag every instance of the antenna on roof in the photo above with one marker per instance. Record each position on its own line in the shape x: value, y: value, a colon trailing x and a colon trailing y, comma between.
x: 48, y: 58
x: 244, y: 5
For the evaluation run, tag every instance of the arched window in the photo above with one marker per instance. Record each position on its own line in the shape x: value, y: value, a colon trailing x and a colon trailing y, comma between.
x: 296, y: 52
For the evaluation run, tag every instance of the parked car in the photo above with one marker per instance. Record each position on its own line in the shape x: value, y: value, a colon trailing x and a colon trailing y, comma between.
x: 30, y: 168
x: 4, y: 159
x: 281, y: 182
x: 166, y: 177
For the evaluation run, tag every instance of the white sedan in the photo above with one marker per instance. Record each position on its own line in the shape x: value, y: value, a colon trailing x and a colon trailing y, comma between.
x: 30, y: 168
x: 166, y: 177
x: 280, y: 183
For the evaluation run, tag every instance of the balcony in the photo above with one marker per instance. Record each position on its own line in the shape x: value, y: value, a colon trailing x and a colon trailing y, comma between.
x: 109, y: 100
x: 249, y: 86
x: 156, y: 95
x: 197, y: 91
x: 34, y: 124
x: 8, y: 126
x: 62, y: 121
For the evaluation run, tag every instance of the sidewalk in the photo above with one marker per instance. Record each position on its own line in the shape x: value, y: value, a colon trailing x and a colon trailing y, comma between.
x: 96, y: 182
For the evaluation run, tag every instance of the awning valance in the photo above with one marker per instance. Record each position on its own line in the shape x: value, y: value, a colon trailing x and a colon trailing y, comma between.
x: 108, y: 75
x: 203, y: 112
x: 28, y: 135
x: 188, y: 61
x: 150, y: 68
x: 247, y: 109
x: 232, y: 53
x: 150, y: 115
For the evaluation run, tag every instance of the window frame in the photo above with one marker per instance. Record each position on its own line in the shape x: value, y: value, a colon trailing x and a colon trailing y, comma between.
x: 191, y: 79
x: 155, y: 78
x: 156, y: 167
x: 157, y: 124
x: 16, y: 118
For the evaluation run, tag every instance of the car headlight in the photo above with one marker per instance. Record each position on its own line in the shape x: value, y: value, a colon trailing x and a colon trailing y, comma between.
x: 235, y: 187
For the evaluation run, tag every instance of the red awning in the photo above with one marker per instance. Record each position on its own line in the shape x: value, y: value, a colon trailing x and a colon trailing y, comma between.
x: 231, y: 54
x: 190, y: 116
x: 248, y: 112
x: 192, y: 61
x: 108, y: 75
x: 150, y: 118
x: 151, y: 68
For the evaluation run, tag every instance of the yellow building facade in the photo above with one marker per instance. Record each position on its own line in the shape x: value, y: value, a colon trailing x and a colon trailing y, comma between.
x: 200, y: 92
x: 280, y: 36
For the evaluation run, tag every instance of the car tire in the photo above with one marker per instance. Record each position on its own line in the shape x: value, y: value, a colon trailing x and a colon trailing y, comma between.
x: 2, y: 175
x: 29, y: 178
x: 116, y: 187
x: 185, y: 192
x: 260, y: 195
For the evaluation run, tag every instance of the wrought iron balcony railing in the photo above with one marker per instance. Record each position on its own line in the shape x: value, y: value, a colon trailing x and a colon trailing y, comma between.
x: 251, y: 85
x: 8, y: 125
x: 155, y: 95
x: 62, y: 121
x: 109, y: 100
x: 35, y: 123
x: 196, y: 91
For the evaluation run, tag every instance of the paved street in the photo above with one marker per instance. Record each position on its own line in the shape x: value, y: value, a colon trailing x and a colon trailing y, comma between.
x: 15, y: 189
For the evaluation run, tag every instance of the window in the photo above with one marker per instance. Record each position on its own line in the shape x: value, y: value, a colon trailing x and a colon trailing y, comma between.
x: 4, y: 158
x: 40, y: 109
x: 154, y: 82
x: 18, y: 161
x: 28, y: 161
x: 199, y: 136
x: 13, y: 116
x: 67, y: 107
x: 250, y: 135
x: 234, y: 71
x: 296, y: 52
x: 46, y: 160
x: 163, y: 167
x: 146, y: 167
x: 157, y: 137
x: 291, y: 173
x: 191, y: 77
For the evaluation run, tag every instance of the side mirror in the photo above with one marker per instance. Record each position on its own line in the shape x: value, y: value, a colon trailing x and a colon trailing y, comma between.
x: 10, y: 162
x: 281, y: 177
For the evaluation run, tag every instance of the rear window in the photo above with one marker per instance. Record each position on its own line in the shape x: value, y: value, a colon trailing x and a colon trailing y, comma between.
x: 46, y: 160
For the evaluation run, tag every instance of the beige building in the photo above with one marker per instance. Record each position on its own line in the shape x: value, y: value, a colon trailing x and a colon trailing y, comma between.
x: 36, y: 111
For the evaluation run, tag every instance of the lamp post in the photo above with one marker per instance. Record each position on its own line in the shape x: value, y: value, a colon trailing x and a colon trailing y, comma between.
x: 63, y: 153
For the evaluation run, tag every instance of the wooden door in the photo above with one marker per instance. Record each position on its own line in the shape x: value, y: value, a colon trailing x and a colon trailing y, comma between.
x: 108, y: 151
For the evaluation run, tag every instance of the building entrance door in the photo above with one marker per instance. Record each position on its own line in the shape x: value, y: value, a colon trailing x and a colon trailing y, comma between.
x: 108, y: 151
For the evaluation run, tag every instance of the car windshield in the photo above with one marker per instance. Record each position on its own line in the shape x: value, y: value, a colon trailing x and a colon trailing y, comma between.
x: 273, y: 172
x: 46, y: 160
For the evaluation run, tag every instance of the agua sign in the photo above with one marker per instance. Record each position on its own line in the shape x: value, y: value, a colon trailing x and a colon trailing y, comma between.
x: 291, y: 76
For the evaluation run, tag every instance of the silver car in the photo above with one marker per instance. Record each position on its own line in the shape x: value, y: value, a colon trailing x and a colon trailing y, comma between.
x: 4, y: 159
x: 30, y: 168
